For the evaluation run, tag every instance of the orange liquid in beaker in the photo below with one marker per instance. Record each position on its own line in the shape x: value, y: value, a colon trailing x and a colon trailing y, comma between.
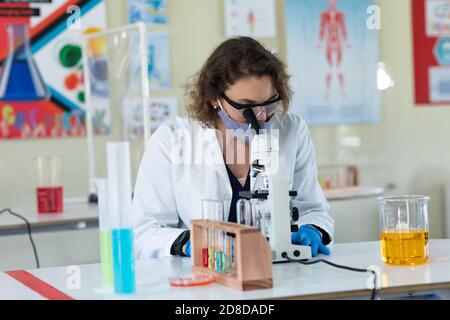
x: 409, y: 247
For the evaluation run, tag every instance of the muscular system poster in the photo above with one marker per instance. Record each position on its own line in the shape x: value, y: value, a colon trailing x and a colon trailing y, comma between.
x: 332, y: 57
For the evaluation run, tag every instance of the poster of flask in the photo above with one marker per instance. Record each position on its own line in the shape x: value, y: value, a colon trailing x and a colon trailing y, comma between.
x: 41, y: 83
x: 332, y: 56
x: 152, y: 12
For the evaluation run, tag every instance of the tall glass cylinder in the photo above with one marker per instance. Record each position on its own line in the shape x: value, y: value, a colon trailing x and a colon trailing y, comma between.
x: 404, y: 229
x: 105, y: 233
x: 119, y: 205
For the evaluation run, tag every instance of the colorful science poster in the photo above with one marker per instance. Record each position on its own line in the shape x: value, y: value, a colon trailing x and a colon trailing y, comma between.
x: 41, y: 83
x: 160, y: 110
x: 152, y: 12
x: 159, y: 61
x: 332, y: 57
x: 253, y: 18
x: 431, y: 29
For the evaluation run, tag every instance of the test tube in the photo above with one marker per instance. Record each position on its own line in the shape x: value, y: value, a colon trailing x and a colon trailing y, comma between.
x: 206, y: 204
x: 243, y: 216
x: 119, y: 205
x: 205, y: 236
x: 229, y: 247
x: 224, y: 255
x: 256, y: 214
x: 218, y: 213
x: 243, y: 211
x: 105, y: 233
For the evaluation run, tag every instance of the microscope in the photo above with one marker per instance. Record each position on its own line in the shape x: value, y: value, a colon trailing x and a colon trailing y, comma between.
x: 269, y: 195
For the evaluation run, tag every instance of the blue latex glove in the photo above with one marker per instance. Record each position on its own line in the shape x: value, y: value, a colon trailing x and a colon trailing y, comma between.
x: 307, y: 235
x: 187, y: 248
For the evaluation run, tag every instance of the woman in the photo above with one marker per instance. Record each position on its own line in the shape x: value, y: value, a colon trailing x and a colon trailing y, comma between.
x: 206, y: 155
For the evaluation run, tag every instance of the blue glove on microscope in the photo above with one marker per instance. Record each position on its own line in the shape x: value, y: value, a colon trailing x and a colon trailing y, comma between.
x: 307, y: 235
x: 187, y: 248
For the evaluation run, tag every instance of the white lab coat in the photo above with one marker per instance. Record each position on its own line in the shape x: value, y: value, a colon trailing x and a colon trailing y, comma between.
x: 169, y: 189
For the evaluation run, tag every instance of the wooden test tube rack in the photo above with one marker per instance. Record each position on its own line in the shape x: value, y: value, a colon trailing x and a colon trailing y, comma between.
x: 252, y: 251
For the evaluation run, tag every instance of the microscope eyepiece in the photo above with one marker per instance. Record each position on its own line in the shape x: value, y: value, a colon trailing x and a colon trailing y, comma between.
x: 251, y: 119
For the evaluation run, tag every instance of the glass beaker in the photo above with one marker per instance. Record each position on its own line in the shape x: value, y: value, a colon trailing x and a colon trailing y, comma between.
x: 49, y: 189
x: 21, y: 79
x: 404, y: 229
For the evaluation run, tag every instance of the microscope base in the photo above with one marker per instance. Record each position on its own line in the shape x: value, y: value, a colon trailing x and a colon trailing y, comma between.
x: 293, y: 251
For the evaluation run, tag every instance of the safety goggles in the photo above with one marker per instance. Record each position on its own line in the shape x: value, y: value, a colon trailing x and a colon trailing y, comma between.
x: 270, y: 106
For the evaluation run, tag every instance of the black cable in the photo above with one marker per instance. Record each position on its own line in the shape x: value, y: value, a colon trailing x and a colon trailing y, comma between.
x: 374, y: 290
x: 29, y: 233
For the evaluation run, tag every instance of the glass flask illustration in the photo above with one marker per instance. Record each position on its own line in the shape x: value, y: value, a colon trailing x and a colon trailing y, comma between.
x: 21, y: 79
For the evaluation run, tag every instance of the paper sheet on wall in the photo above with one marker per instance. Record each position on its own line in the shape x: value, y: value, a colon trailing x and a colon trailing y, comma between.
x: 152, y: 12
x: 159, y: 61
x: 160, y: 110
x: 437, y: 18
x: 253, y: 18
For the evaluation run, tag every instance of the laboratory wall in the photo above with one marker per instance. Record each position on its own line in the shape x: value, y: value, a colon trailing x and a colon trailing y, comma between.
x: 407, y: 152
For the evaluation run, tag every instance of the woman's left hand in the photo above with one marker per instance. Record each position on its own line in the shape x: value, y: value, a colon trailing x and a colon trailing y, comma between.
x: 307, y: 235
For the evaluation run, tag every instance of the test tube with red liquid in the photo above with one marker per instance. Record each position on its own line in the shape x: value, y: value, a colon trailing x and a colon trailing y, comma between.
x: 49, y: 191
x: 206, y: 232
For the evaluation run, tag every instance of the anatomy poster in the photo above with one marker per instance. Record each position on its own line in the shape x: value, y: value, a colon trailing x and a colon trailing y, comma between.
x: 41, y: 83
x: 160, y: 110
x: 253, y: 18
x: 332, y: 57
x: 152, y: 12
x: 431, y: 29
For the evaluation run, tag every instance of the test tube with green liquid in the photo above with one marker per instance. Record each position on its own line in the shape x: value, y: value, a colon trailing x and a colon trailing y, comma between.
x: 105, y: 234
x: 220, y: 245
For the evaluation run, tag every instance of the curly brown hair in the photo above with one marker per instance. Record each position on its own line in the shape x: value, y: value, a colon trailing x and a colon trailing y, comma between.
x: 232, y: 60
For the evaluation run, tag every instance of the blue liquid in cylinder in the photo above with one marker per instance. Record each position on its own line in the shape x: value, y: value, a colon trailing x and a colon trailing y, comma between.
x: 123, y: 260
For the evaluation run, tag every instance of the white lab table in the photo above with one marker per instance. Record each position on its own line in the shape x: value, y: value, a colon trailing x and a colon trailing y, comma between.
x: 291, y: 280
x: 76, y: 215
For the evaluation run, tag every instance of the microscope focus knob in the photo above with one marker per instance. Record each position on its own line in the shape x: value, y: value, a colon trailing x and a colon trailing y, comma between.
x: 294, y: 214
